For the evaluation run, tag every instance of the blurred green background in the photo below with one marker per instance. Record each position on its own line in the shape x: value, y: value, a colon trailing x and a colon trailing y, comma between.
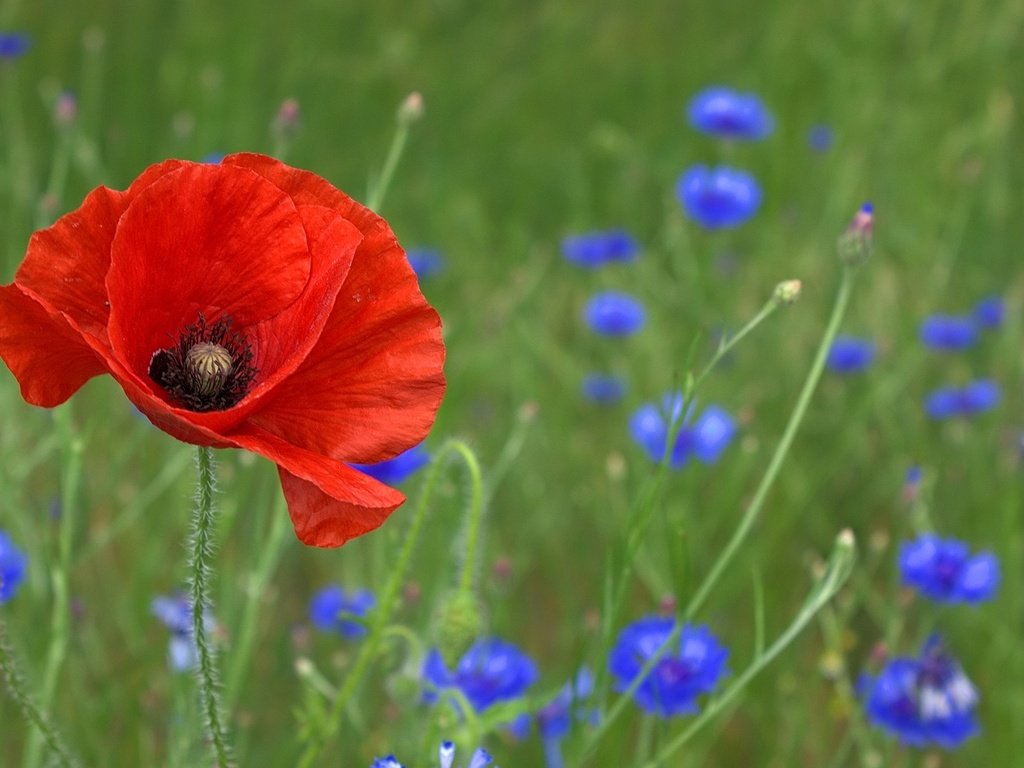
x: 542, y: 120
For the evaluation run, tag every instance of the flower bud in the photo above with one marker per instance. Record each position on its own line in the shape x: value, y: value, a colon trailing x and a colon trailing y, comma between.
x: 411, y: 109
x: 856, y: 243
x: 459, y: 622
x: 788, y: 291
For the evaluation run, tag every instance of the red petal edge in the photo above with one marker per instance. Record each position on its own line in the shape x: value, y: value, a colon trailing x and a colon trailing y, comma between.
x: 328, y: 501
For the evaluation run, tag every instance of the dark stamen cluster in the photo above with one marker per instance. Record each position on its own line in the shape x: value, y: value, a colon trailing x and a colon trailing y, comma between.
x: 210, y: 368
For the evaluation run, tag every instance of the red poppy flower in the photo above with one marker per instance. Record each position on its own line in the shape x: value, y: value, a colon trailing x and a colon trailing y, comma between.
x: 249, y: 305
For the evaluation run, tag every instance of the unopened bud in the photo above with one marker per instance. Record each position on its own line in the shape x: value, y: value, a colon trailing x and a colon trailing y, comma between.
x: 856, y: 243
x: 788, y: 291
x: 286, y: 121
x: 411, y: 108
x: 66, y: 109
x: 459, y: 623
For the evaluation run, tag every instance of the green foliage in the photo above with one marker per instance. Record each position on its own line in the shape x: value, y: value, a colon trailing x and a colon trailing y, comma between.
x: 542, y: 120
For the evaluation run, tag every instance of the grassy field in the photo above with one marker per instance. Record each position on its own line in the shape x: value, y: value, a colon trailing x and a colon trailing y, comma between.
x: 544, y: 120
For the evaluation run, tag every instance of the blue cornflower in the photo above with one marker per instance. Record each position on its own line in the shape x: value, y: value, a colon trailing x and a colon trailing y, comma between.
x: 976, y: 397
x: 729, y: 114
x: 944, y: 570
x: 948, y: 333
x: 595, y: 249
x: 386, y: 762
x: 614, y: 314
x: 605, y: 389
x: 706, y: 438
x: 912, y: 483
x: 12, y: 568
x: 989, y: 312
x: 923, y: 701
x: 330, y: 606
x: 395, y: 470
x: 718, y: 198
x: 14, y: 44
x: 820, y: 137
x: 491, y: 671
x: 446, y: 756
x: 175, y: 612
x: 212, y: 158
x: 555, y: 718
x: 692, y: 665
x: 849, y: 354
x: 425, y: 262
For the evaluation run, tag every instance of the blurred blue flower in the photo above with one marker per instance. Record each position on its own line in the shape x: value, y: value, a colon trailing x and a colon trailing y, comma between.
x: 595, y: 249
x: 12, y: 568
x: 849, y: 354
x: 945, y: 571
x: 729, y: 114
x: 386, y: 762
x: 706, y: 438
x: 491, y: 671
x: 555, y: 718
x: 614, y: 314
x: 976, y: 397
x: 912, y: 483
x: 175, y: 612
x: 329, y: 608
x: 718, y: 198
x: 605, y: 389
x: 948, y: 333
x: 212, y: 158
x: 14, y: 44
x: 693, y: 664
x: 923, y: 701
x: 395, y: 470
x: 989, y: 312
x: 425, y: 262
x: 446, y: 756
x: 820, y: 137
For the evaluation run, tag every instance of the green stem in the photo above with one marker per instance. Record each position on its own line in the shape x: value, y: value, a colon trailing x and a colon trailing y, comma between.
x: 781, y: 450
x: 73, y: 448
x: 16, y: 687
x: 476, y: 498
x: 645, y: 509
x: 379, y: 186
x: 255, y: 588
x: 837, y: 572
x: 200, y: 567
x: 380, y: 617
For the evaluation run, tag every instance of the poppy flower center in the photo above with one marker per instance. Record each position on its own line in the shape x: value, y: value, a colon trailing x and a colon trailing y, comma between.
x: 208, y: 369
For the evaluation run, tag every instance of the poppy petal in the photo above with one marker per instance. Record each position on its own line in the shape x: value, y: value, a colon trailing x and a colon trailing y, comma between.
x: 281, y: 349
x: 332, y: 242
x: 372, y: 385
x: 66, y: 264
x: 208, y: 239
x: 45, y: 354
x: 328, y: 501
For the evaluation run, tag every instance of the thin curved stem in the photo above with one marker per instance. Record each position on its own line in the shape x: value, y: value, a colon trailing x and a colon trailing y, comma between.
x: 200, y: 558
x: 73, y: 448
x: 16, y: 687
x: 382, y: 614
x: 781, y: 450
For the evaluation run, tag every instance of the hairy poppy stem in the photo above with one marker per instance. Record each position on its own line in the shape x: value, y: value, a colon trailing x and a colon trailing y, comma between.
x: 200, y: 557
x: 16, y: 688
